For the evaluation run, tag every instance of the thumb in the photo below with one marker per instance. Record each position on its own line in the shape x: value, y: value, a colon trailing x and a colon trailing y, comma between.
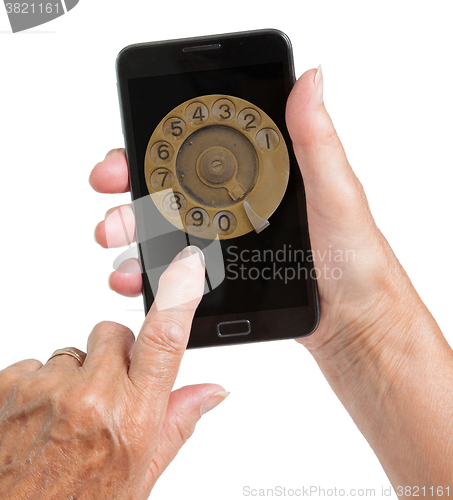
x: 334, y: 194
x: 185, y: 408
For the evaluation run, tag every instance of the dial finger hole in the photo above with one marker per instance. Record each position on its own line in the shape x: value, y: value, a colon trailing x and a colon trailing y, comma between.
x: 174, y: 204
x: 161, y: 179
x: 224, y: 222
x: 197, y: 220
x: 161, y: 152
x: 267, y: 139
x: 174, y: 129
x: 196, y: 113
x: 249, y: 120
x: 224, y: 110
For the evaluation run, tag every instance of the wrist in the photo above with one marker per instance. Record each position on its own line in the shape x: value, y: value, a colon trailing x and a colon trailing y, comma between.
x: 370, y: 322
x: 392, y: 369
x: 376, y: 340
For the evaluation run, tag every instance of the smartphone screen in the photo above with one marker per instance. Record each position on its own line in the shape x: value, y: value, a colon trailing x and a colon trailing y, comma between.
x: 267, y: 274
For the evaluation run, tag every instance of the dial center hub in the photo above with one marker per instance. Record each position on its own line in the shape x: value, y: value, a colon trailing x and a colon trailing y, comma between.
x: 216, y: 165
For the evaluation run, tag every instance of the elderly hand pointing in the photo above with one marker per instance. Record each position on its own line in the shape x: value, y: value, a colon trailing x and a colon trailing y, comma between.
x: 109, y: 427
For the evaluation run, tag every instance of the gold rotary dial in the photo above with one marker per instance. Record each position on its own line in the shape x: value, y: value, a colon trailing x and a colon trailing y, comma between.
x: 217, y: 165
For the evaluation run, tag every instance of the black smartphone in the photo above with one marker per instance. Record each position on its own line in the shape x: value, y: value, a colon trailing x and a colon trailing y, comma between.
x: 211, y: 164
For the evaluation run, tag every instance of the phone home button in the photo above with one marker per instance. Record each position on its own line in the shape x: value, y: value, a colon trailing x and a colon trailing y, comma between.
x: 234, y: 328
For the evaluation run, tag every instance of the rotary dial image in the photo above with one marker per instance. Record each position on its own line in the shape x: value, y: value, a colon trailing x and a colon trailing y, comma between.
x: 217, y: 165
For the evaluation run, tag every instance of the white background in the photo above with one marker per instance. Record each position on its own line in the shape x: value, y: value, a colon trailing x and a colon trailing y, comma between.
x: 388, y: 79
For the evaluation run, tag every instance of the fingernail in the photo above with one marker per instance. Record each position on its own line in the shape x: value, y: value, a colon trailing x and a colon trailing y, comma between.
x: 319, y: 85
x: 213, y: 401
x: 192, y: 257
x: 110, y: 211
x: 110, y: 153
x: 129, y: 266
